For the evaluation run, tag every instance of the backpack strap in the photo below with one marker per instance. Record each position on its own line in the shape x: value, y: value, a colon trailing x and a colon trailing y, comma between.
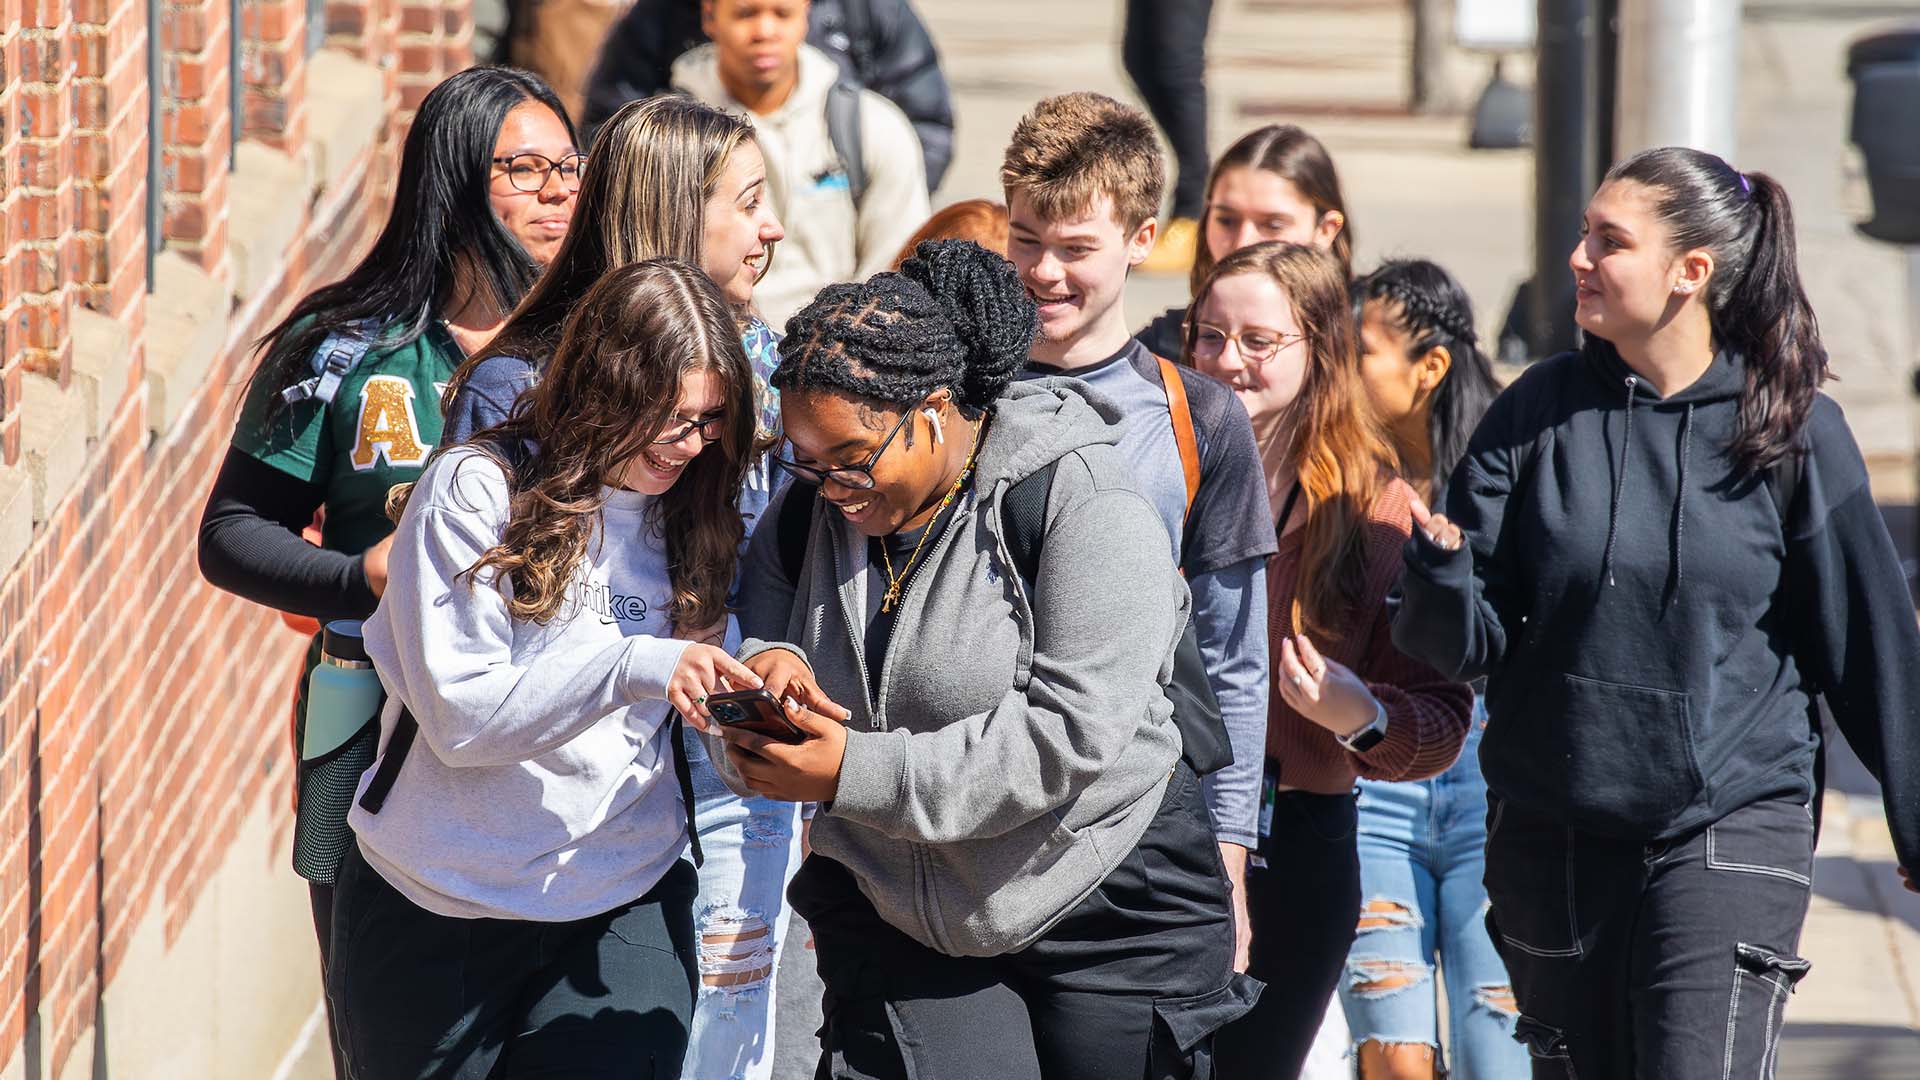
x: 843, y: 131
x: 337, y: 356
x: 791, y: 528
x: 1023, y: 513
x: 1183, y: 434
x: 399, y: 744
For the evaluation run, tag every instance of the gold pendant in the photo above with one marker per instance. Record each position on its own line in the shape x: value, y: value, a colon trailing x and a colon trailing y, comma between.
x: 892, y: 597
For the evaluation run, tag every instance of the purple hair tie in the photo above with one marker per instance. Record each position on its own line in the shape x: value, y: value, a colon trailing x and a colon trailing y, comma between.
x: 1746, y: 185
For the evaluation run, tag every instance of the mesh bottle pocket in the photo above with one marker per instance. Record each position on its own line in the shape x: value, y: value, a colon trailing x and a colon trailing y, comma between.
x: 327, y: 785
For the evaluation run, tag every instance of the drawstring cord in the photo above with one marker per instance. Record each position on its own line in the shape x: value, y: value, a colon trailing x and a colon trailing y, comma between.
x: 1680, y: 517
x: 1619, y: 482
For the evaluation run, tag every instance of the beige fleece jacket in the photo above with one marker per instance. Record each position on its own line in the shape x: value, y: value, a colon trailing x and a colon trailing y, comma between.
x: 828, y: 238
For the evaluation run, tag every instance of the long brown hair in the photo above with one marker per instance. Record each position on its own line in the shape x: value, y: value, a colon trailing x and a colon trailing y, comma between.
x: 1338, y: 449
x: 1295, y: 156
x: 643, y: 195
x: 609, y: 390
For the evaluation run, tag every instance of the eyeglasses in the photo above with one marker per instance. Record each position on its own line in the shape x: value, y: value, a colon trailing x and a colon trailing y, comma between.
x: 530, y: 172
x: 859, y: 477
x: 1256, y: 345
x: 708, y: 428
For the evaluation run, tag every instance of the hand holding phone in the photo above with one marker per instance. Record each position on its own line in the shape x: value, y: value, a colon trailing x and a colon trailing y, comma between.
x: 757, y: 711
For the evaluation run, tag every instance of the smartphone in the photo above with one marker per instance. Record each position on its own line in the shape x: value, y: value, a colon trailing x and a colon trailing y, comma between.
x: 757, y: 711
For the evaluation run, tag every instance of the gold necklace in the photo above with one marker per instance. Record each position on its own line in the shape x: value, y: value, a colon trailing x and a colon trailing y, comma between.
x: 897, y: 582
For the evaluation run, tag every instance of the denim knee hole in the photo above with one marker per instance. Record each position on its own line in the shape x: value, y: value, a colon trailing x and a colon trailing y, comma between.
x: 1376, y: 978
x: 1383, y: 913
x: 736, y: 950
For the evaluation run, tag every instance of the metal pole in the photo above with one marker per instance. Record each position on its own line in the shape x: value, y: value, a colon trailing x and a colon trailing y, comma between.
x: 1679, y: 75
x: 1564, y: 163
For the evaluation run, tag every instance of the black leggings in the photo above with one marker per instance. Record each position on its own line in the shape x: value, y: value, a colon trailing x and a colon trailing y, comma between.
x: 421, y: 995
x: 1304, y: 905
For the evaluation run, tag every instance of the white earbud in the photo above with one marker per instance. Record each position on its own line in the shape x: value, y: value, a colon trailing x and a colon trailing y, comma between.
x: 934, y: 419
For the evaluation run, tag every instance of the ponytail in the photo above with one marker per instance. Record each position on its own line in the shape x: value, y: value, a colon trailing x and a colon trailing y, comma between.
x: 1766, y: 317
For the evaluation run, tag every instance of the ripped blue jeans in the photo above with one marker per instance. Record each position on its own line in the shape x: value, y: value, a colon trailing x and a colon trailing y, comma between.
x: 752, y: 849
x: 1422, y: 857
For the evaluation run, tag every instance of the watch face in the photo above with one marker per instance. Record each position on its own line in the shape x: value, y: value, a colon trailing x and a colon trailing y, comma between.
x: 1366, y: 740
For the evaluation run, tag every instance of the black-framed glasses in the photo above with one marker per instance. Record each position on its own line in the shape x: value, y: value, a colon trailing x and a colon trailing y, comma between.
x: 709, y: 429
x: 859, y: 476
x: 530, y: 172
x: 1257, y: 345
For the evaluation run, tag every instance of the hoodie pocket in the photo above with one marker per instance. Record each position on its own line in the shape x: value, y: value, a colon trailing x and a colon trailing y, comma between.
x: 1621, y: 757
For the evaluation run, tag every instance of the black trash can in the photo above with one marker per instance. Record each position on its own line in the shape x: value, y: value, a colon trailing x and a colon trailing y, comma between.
x: 1885, y: 69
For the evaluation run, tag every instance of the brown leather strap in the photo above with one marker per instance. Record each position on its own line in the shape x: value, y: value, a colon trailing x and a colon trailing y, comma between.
x: 1183, y: 435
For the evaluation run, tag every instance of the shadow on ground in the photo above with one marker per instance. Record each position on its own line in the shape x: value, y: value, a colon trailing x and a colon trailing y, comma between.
x: 1848, y: 1052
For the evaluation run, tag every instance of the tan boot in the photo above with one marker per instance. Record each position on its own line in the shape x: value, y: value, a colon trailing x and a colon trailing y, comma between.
x: 1173, y: 252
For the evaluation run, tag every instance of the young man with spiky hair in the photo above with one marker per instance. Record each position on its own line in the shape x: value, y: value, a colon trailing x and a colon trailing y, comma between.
x: 1083, y: 178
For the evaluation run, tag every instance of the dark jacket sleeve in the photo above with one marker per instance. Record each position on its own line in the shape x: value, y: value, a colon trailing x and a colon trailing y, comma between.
x: 250, y: 544
x: 1450, y: 610
x: 906, y: 70
x: 1862, y: 644
x: 636, y: 61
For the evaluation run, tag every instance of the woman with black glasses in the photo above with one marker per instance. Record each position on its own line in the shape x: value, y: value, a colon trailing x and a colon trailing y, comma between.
x: 672, y: 177
x: 469, y: 231
x: 1009, y: 841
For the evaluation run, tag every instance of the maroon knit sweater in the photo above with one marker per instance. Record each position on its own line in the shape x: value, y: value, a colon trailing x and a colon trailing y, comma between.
x: 1427, y: 716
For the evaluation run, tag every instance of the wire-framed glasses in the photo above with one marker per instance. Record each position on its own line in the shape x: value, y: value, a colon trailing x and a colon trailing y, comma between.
x: 530, y: 172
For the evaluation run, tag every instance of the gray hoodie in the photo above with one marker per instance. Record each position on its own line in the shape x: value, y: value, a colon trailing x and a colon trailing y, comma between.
x: 1020, y: 745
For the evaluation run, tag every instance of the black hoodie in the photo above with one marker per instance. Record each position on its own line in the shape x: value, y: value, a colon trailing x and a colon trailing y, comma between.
x: 1649, y: 631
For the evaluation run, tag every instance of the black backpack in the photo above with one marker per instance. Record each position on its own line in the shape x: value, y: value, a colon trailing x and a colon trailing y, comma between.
x: 1196, y: 712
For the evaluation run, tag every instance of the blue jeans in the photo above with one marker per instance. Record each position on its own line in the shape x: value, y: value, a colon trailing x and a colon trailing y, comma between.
x: 1422, y: 858
x: 752, y: 850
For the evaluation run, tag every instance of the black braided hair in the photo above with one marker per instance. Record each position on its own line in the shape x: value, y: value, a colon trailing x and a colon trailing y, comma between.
x: 954, y: 315
x: 1433, y: 310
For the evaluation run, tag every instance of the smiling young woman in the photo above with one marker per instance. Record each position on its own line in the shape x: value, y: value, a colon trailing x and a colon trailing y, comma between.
x: 1273, y: 321
x: 460, y: 248
x: 1648, y: 752
x: 517, y: 904
x: 1009, y: 840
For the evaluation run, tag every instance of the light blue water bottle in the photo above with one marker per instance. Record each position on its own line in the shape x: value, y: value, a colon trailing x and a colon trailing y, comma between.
x: 337, y: 745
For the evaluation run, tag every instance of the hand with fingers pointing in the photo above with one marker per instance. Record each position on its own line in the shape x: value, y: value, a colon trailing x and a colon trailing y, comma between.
x: 785, y: 676
x: 807, y: 771
x: 1324, y: 691
x: 702, y: 672
x: 1440, y: 532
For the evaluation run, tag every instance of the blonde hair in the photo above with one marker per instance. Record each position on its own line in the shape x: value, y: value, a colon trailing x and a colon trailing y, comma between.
x: 1073, y: 148
x: 643, y: 195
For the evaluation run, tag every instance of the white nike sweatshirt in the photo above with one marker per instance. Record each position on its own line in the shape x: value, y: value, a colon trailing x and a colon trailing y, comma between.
x: 541, y: 785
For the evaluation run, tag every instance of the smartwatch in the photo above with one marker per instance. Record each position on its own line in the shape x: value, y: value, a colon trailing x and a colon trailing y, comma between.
x: 1367, y: 737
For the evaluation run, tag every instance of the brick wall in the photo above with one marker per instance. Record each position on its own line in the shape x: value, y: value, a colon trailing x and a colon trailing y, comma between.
x: 142, y: 714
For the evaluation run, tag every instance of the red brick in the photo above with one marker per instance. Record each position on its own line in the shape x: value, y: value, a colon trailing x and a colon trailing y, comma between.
x: 89, y: 55
x: 40, y: 113
x: 185, y: 125
x: 40, y: 59
x: 184, y: 29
